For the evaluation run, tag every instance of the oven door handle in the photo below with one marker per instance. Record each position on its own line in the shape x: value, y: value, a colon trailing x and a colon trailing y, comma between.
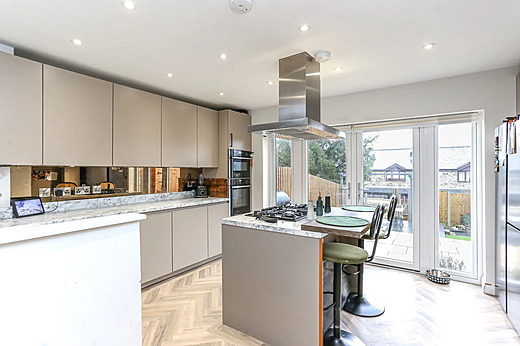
x: 240, y: 187
x: 240, y: 158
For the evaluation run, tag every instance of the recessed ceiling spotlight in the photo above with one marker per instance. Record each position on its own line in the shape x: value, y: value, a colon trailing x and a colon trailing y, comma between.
x: 270, y: 82
x: 129, y: 4
x: 170, y: 75
x: 223, y: 56
x: 429, y: 45
x: 304, y: 28
x: 221, y: 94
x: 338, y: 69
x: 77, y: 41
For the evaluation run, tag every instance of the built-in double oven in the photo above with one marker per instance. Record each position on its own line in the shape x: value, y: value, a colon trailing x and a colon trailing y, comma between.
x: 240, y: 164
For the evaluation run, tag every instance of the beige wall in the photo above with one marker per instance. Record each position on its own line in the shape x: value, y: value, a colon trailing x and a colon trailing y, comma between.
x: 490, y: 91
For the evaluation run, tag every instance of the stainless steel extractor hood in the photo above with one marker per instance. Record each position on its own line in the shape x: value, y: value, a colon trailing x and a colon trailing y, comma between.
x: 299, y: 102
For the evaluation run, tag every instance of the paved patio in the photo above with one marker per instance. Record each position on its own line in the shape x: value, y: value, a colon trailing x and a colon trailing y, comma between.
x: 400, y: 247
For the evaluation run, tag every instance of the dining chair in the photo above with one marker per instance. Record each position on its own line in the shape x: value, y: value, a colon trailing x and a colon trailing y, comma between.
x: 385, y: 233
x: 357, y: 302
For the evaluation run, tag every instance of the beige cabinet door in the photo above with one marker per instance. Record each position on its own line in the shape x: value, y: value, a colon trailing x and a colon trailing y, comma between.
x: 179, y: 134
x: 215, y: 214
x: 137, y: 128
x: 207, y: 149
x: 190, y: 236
x: 77, y: 119
x: 237, y: 125
x: 20, y: 111
x: 156, y: 246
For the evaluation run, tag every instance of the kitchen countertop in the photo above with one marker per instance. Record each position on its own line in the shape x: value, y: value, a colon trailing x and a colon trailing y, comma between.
x: 83, y: 214
x: 295, y: 228
x: 286, y: 227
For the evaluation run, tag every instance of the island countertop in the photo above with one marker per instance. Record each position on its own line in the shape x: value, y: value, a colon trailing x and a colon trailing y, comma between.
x: 314, y: 230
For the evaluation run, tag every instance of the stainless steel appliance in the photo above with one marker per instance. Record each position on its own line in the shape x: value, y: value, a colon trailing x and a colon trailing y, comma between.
x: 299, y: 102
x: 286, y: 212
x: 239, y: 174
x: 507, y: 179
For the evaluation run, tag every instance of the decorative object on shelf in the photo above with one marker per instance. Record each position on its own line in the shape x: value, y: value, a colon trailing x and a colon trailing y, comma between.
x: 319, y: 206
x: 438, y: 276
x: 342, y: 221
x: 327, y: 204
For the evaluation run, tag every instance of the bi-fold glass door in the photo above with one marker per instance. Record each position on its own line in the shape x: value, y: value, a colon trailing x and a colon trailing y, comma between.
x: 430, y: 168
x: 384, y: 165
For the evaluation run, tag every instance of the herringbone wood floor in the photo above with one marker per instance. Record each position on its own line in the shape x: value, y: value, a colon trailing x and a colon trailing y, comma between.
x: 187, y: 310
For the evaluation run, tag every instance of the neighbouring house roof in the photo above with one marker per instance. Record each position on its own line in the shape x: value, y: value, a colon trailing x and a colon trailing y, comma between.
x: 450, y: 158
x: 395, y: 168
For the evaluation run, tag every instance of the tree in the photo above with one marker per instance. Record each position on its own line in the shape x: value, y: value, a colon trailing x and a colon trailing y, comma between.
x: 327, y: 158
x: 283, y: 152
x: 368, y: 157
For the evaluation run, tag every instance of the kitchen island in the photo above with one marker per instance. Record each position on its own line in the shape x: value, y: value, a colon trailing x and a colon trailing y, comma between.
x: 72, y: 276
x: 273, y: 280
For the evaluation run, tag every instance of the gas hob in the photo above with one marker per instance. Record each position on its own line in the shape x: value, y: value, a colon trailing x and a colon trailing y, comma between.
x: 286, y: 212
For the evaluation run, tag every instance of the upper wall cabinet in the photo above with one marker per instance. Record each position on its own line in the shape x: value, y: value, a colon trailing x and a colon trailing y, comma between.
x: 237, y: 126
x: 137, y: 128
x: 179, y: 134
x: 20, y: 111
x: 207, y: 138
x: 77, y: 119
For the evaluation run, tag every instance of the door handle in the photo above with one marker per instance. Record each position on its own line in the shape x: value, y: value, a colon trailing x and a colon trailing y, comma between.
x: 358, y: 192
x: 348, y: 191
x: 231, y: 143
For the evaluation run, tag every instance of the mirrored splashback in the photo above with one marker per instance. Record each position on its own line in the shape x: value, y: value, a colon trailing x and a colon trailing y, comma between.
x: 68, y: 183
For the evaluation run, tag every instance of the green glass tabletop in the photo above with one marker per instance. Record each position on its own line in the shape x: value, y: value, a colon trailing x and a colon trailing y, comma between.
x: 342, y: 221
x: 359, y: 208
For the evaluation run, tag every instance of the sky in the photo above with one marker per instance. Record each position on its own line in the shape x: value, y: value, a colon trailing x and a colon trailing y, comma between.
x: 449, y: 136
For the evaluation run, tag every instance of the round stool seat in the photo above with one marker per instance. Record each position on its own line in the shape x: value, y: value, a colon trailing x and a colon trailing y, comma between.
x: 344, y: 253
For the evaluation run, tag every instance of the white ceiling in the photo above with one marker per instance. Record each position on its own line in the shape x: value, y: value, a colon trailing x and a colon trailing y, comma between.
x: 377, y: 42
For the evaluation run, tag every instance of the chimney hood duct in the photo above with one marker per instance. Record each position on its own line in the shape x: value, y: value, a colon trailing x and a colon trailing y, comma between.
x: 299, y: 102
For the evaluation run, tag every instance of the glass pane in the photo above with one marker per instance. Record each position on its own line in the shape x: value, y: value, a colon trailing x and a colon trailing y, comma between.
x: 387, y: 171
x: 283, y: 171
x: 327, y: 167
x: 455, y: 233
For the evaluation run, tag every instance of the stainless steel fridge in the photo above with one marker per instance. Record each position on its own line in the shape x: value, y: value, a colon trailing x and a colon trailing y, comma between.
x: 507, y: 181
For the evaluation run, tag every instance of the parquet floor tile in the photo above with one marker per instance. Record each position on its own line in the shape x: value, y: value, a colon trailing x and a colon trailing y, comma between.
x: 187, y: 310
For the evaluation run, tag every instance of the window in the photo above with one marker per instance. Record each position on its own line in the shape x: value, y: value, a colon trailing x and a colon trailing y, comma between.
x: 327, y: 166
x: 283, y: 170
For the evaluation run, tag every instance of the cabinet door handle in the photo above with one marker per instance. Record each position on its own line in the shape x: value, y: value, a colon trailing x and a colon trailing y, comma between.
x: 231, y: 136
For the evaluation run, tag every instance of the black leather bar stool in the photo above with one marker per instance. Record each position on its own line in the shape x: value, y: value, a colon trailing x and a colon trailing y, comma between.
x: 357, y: 303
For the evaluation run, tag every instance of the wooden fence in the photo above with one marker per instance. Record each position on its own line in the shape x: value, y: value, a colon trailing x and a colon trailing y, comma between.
x: 459, y: 203
x: 452, y: 206
x: 316, y: 185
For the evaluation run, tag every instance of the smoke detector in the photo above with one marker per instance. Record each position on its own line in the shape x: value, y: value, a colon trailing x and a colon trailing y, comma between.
x: 241, y: 6
x: 322, y: 55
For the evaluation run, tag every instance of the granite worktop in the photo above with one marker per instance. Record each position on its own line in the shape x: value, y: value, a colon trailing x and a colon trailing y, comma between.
x: 286, y: 227
x: 60, y: 215
x: 304, y: 228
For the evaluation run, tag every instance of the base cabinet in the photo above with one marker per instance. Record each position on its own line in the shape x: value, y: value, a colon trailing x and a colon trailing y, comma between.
x: 190, y: 236
x: 215, y: 214
x: 176, y: 239
x: 156, y: 246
